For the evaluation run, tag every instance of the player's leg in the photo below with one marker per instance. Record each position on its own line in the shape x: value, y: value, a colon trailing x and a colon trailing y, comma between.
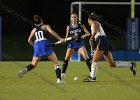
x: 83, y: 52
x: 96, y: 56
x: 119, y: 64
x: 69, y: 53
x: 52, y: 57
x: 29, y: 67
x: 109, y: 58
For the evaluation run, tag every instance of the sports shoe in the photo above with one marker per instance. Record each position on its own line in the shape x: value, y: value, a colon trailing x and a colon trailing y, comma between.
x: 89, y: 79
x: 22, y: 72
x: 63, y: 75
x: 59, y: 81
x: 133, y: 68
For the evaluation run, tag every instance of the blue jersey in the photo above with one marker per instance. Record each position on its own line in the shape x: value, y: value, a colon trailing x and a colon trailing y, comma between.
x: 41, y: 44
x: 75, y: 32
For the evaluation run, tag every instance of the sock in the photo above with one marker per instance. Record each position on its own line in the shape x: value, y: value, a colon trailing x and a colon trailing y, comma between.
x: 30, y: 67
x: 93, y: 69
x: 65, y: 65
x: 58, y: 71
x: 88, y: 64
x: 121, y: 64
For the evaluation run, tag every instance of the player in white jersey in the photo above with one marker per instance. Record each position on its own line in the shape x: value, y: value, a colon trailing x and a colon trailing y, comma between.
x: 102, y: 47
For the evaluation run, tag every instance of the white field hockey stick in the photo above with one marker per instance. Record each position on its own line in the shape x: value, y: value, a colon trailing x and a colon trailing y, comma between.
x: 91, y: 50
x: 59, y: 42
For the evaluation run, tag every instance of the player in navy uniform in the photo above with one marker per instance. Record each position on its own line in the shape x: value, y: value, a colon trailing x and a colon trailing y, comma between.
x: 102, y: 47
x: 75, y: 30
x: 42, y: 47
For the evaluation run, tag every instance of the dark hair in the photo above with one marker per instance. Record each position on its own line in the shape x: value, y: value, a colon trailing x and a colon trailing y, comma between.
x: 37, y: 19
x: 74, y: 13
x: 93, y: 16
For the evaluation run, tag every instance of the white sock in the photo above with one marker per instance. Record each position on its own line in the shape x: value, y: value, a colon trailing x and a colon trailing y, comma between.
x: 93, y: 69
x: 121, y: 64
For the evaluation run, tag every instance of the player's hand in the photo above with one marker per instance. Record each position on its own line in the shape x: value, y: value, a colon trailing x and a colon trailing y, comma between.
x: 65, y: 40
x: 83, y: 36
x: 62, y: 41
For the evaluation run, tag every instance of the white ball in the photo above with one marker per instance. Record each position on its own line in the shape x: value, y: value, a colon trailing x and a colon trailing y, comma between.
x: 75, y: 78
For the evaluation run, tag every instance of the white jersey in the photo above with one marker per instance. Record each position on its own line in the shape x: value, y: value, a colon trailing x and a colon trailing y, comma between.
x: 100, y: 31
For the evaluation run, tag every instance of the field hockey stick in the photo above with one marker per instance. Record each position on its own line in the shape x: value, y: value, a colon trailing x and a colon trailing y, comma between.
x: 91, y: 48
x: 91, y: 51
x: 59, y: 42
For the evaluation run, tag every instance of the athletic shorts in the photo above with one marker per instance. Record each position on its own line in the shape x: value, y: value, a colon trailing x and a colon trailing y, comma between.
x: 42, y: 48
x: 102, y: 44
x: 75, y: 44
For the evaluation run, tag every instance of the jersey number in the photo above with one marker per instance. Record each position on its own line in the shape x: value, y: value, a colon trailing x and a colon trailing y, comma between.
x: 39, y: 35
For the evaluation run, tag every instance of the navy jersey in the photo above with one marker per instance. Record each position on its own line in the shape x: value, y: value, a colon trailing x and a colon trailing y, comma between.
x: 76, y: 31
x: 39, y: 34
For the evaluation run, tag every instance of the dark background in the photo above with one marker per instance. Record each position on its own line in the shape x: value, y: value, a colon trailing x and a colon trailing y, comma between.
x: 54, y: 12
x: 17, y: 16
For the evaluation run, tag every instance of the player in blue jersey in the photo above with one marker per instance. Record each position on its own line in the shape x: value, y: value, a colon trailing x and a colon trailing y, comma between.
x: 42, y: 47
x: 102, y: 47
x: 75, y: 29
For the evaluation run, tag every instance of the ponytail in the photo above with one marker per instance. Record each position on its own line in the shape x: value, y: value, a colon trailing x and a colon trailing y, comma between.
x: 37, y: 19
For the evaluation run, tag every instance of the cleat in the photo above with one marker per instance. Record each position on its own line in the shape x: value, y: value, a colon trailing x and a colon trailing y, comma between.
x: 59, y: 81
x: 133, y: 68
x: 63, y: 75
x: 89, y: 79
x: 22, y: 72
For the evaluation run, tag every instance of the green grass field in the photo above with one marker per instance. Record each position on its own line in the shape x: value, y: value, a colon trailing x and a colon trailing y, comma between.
x: 40, y: 83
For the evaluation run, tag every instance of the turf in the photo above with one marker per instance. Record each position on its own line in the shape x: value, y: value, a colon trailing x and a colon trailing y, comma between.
x: 40, y: 83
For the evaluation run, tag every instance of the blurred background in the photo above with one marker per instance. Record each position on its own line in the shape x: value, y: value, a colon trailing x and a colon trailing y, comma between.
x: 17, y: 17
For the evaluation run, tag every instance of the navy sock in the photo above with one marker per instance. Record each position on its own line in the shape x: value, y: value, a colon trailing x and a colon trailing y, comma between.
x: 58, y: 71
x: 30, y: 67
x: 88, y: 64
x: 65, y: 65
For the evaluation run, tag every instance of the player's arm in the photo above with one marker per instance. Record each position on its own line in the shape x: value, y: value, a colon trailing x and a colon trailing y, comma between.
x: 86, y: 31
x: 48, y: 28
x: 30, y: 41
x: 93, y: 34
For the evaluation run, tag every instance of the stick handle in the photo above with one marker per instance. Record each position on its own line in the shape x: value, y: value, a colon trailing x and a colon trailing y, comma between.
x: 58, y: 42
x: 91, y: 50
